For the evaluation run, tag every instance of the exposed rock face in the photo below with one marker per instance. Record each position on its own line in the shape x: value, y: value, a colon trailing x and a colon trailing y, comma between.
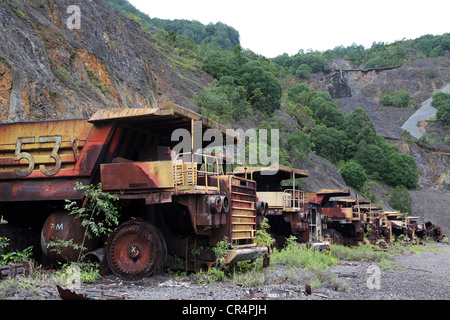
x: 337, y: 86
x: 365, y: 88
x: 49, y: 70
x: 421, y: 78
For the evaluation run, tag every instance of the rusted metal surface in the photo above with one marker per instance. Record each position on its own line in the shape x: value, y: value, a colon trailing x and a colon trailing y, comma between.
x: 434, y: 231
x: 288, y: 210
x: 137, y: 175
x: 41, y: 149
x: 44, y: 160
x: 136, y: 249
x: 67, y: 294
x: 13, y: 269
x: 65, y: 227
x: 278, y: 173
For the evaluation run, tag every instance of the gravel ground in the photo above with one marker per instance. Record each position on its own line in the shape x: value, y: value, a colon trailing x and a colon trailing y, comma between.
x: 422, y: 276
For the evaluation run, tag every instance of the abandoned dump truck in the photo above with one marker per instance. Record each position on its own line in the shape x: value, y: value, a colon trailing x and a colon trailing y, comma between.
x: 411, y: 228
x: 174, y: 207
x: 290, y: 211
x: 378, y: 226
x: 345, y: 224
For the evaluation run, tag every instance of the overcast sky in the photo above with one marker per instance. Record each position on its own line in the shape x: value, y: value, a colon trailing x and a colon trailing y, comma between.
x: 272, y: 28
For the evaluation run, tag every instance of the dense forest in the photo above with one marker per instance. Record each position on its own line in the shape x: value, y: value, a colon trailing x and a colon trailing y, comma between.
x: 247, y: 84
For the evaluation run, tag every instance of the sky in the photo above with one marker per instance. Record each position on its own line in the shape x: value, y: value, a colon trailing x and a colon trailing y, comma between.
x: 271, y: 28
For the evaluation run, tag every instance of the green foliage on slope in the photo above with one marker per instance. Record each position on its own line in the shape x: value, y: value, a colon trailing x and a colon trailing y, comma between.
x: 352, y: 139
x: 224, y: 36
x: 247, y: 84
x: 379, y: 55
x: 441, y: 101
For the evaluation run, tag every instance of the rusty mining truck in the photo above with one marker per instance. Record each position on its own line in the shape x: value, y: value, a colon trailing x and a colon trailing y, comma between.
x: 411, y: 228
x: 289, y: 210
x: 174, y: 207
x: 345, y: 225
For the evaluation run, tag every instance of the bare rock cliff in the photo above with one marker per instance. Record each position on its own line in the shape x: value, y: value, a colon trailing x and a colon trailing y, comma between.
x: 50, y: 70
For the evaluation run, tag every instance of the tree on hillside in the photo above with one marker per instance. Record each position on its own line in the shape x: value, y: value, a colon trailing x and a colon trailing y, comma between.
x: 401, y: 171
x: 353, y: 174
x: 398, y: 99
x: 258, y: 81
x: 300, y: 93
x: 441, y: 101
x: 358, y: 127
x: 372, y: 159
x: 328, y: 142
x: 401, y: 200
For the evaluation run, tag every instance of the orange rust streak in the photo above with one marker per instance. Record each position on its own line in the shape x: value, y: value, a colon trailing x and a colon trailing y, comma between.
x: 67, y: 129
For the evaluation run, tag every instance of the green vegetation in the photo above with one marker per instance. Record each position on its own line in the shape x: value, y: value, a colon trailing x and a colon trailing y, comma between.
x: 382, y: 55
x: 10, y: 256
x: 292, y: 255
x: 354, y: 175
x: 100, y: 214
x: 441, y: 101
x: 263, y: 238
x: 247, y: 85
x: 398, y: 99
x: 351, y: 138
x: 401, y: 199
x: 379, y: 55
x: 224, y: 36
x: 243, y: 72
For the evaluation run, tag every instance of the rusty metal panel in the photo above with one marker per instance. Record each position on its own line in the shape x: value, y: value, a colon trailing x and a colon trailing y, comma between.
x: 41, y: 149
x: 338, y: 213
x: 44, y: 160
x: 108, y: 115
x: 137, y: 175
x: 167, y: 117
x: 277, y: 173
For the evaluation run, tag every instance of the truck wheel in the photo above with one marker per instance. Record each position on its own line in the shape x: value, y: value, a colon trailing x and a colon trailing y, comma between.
x: 136, y: 249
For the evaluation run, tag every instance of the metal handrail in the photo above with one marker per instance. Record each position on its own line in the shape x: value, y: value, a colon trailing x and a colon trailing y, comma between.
x: 216, y: 168
x: 293, y: 199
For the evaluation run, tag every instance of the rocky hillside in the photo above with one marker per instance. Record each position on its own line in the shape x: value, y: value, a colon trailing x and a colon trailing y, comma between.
x: 49, y: 70
x: 365, y: 88
x: 354, y: 88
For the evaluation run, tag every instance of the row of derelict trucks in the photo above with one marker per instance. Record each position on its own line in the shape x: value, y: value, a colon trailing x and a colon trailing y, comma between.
x: 174, y: 208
